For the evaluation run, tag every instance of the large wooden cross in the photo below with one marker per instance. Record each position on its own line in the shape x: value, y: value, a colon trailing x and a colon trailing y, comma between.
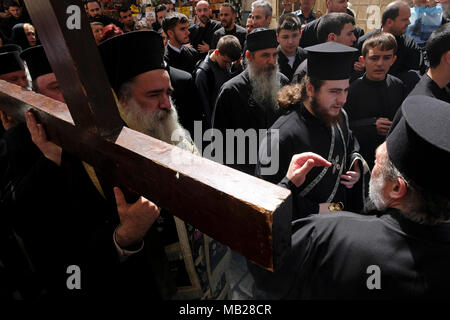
x: 249, y: 215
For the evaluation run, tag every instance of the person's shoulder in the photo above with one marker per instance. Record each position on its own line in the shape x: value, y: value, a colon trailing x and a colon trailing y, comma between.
x: 194, y: 27
x: 311, y: 25
x: 364, y: 37
x: 219, y: 32
x: 302, y: 53
x: 283, y: 79
x: 216, y: 24
x: 189, y: 49
x: 289, y: 119
x: 236, y: 83
x: 351, y: 224
x: 393, y: 80
x: 179, y: 75
x: 240, y: 29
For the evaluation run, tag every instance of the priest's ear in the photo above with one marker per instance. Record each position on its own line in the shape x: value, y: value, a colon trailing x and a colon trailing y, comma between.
x: 310, y: 89
x: 249, y: 55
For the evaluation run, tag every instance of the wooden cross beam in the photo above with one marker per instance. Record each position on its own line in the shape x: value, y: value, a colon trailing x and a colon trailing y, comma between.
x: 249, y: 215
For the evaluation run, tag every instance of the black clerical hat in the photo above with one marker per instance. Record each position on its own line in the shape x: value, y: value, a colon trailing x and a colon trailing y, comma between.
x: 37, y: 61
x: 330, y: 61
x: 130, y: 54
x: 419, y: 145
x: 10, y: 59
x: 261, y: 38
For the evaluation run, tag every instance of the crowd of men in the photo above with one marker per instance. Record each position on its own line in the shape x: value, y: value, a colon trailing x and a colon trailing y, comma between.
x: 352, y: 123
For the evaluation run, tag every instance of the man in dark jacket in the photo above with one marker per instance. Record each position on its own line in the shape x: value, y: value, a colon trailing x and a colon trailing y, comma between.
x: 177, y: 54
x: 201, y: 33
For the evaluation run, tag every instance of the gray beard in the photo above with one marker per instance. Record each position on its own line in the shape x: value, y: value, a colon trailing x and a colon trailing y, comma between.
x: 161, y: 124
x: 265, y: 84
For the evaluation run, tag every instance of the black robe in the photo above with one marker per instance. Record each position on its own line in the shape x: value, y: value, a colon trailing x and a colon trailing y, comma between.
x: 283, y: 62
x: 185, y: 98
x: 209, y: 78
x: 236, y: 109
x: 185, y: 60
x: 366, y: 102
x: 340, y: 256
x: 299, y: 131
x: 425, y: 87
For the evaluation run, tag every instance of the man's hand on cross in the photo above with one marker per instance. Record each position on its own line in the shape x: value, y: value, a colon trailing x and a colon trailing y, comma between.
x: 135, y: 219
x: 50, y: 150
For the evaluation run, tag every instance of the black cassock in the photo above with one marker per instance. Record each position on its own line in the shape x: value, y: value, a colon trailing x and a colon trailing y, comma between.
x: 350, y: 256
x: 366, y: 102
x: 184, y: 60
x: 425, y: 87
x: 299, y: 131
x: 236, y: 109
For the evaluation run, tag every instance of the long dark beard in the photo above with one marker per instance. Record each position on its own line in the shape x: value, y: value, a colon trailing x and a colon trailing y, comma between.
x: 265, y: 84
x: 322, y: 114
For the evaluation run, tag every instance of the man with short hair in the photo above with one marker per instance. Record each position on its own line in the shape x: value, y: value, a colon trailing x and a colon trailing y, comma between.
x: 316, y: 122
x: 310, y: 31
x: 290, y: 55
x: 334, y: 27
x: 95, y: 13
x: 126, y: 18
x: 17, y: 15
x: 213, y: 72
x: 178, y: 55
x: 261, y: 14
x: 201, y: 33
x: 306, y: 13
x: 374, y: 98
x: 395, y: 20
x: 248, y: 101
x: 436, y: 81
x: 227, y: 15
x: 160, y: 12
x: 400, y: 250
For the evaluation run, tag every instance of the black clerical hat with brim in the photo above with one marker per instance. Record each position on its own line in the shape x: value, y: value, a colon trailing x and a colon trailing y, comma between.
x: 330, y: 61
x: 37, y: 61
x: 10, y: 60
x: 127, y: 55
x: 261, y: 38
x: 419, y: 145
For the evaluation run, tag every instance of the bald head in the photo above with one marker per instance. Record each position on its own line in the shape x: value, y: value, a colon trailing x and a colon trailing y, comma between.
x: 337, y: 6
x: 395, y: 19
x: 203, y: 11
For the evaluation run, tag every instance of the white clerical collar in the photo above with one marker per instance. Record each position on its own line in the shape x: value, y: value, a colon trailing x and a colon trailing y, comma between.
x: 174, y: 48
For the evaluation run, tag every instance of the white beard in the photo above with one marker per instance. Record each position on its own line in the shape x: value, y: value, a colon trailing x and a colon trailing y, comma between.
x: 265, y: 84
x: 160, y: 124
x: 376, y: 186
